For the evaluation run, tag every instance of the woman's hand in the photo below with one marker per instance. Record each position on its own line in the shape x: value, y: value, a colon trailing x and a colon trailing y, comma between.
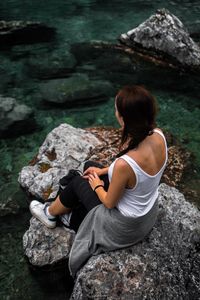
x: 94, y: 180
x: 92, y: 170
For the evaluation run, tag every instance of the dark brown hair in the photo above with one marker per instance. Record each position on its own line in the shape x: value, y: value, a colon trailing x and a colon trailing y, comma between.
x: 138, y: 109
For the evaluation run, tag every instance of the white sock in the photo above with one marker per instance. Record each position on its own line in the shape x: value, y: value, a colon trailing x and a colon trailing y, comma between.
x: 49, y: 216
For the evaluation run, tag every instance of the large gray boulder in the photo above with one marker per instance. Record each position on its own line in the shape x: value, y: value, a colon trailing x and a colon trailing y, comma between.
x: 78, y: 89
x: 163, y: 266
x: 15, y: 118
x: 164, y: 34
x: 64, y: 148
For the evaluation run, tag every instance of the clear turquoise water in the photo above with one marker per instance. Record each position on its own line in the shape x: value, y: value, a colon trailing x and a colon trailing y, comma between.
x: 80, y: 21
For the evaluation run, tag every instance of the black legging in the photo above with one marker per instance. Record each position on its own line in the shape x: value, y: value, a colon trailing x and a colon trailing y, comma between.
x: 79, y: 196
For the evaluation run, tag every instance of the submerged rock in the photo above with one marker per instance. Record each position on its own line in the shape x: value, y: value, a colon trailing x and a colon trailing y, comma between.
x: 8, y: 205
x: 78, y: 89
x: 15, y: 118
x: 24, y: 32
x: 93, y: 58
x: 64, y: 148
x: 44, y: 246
x: 165, y: 35
x: 56, y: 65
x: 163, y: 266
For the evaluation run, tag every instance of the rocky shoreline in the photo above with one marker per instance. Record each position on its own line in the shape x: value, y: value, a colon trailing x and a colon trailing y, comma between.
x: 166, y: 263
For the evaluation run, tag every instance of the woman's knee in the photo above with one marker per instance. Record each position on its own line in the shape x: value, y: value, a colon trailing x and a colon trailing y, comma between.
x: 78, y: 182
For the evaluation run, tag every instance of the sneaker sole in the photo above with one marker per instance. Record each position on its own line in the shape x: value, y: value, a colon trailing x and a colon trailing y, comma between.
x: 41, y: 220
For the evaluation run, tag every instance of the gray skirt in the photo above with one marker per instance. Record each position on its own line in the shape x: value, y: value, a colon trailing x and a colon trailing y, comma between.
x: 104, y: 230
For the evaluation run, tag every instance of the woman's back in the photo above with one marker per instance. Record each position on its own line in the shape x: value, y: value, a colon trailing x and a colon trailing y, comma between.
x: 151, y: 154
x: 145, y: 167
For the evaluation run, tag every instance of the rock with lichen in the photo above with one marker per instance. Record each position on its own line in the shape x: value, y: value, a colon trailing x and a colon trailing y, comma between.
x: 164, y: 35
x: 64, y: 148
x: 165, y: 265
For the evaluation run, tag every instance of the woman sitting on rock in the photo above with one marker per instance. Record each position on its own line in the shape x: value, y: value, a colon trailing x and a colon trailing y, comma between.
x: 127, y: 190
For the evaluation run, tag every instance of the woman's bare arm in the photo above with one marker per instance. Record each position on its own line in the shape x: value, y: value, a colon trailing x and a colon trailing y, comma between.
x: 120, y: 177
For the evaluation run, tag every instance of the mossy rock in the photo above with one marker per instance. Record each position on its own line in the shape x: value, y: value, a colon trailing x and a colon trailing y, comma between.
x: 78, y: 89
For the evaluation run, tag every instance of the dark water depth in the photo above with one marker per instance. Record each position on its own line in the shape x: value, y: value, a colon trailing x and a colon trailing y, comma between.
x: 81, y: 21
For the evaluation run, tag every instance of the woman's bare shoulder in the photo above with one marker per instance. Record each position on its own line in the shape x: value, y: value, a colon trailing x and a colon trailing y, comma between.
x: 123, y: 167
x: 121, y: 164
x: 159, y: 129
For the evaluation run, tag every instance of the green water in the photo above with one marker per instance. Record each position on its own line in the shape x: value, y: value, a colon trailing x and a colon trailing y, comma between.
x: 82, y: 21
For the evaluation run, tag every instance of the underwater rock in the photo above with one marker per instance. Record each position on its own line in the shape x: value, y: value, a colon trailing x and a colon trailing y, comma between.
x: 164, y: 35
x: 115, y: 62
x: 5, y: 76
x: 85, y: 51
x: 56, y: 65
x: 78, y: 89
x: 106, y: 59
x: 8, y: 205
x: 44, y: 246
x: 163, y: 266
x: 15, y: 118
x: 64, y: 148
x: 24, y: 32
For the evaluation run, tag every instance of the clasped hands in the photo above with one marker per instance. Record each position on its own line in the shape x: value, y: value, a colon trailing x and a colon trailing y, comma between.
x: 92, y: 174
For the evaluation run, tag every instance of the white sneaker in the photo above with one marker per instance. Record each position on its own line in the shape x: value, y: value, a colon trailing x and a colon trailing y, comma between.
x: 38, y: 210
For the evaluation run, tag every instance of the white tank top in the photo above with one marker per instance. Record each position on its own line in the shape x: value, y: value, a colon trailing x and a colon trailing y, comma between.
x: 140, y: 199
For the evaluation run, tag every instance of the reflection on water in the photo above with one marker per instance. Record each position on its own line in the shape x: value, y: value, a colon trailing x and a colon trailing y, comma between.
x: 76, y: 22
